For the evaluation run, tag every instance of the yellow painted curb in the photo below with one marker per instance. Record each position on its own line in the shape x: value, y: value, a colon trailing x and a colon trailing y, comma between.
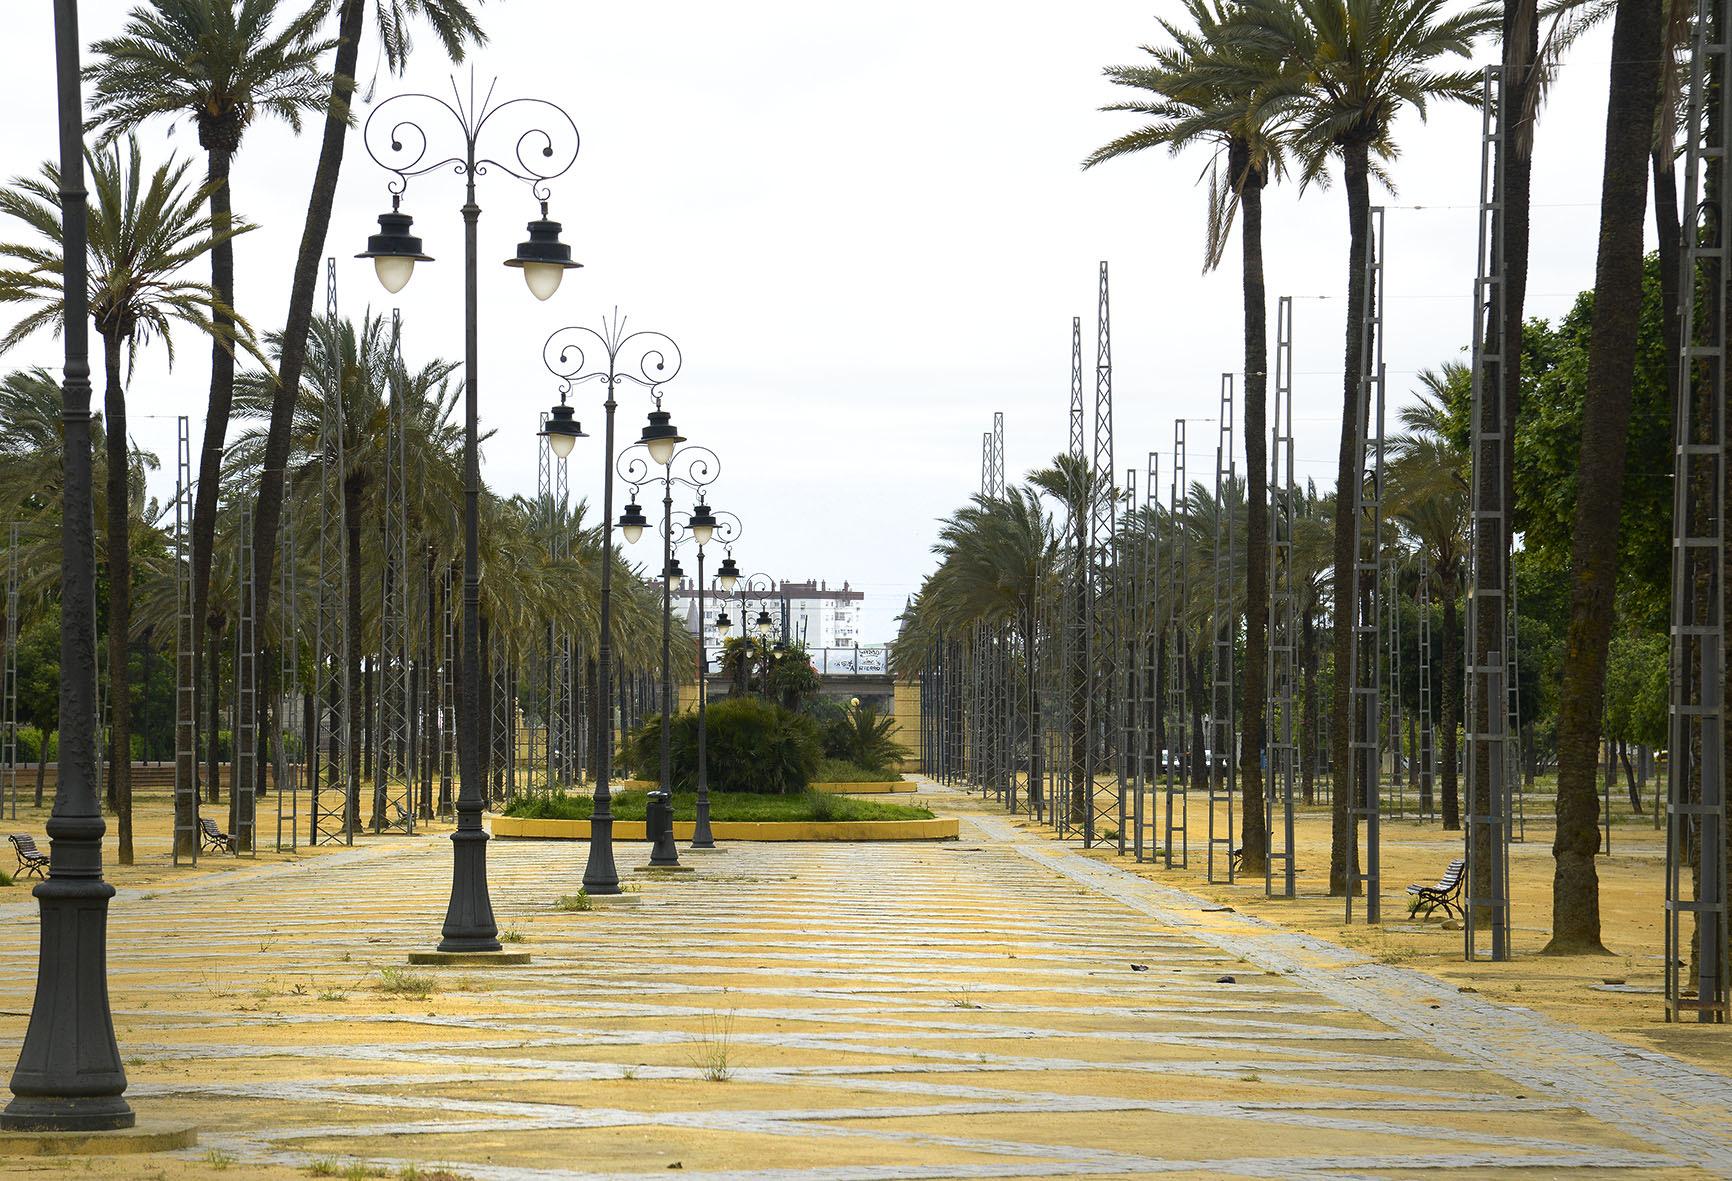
x: 865, y: 789
x: 942, y: 828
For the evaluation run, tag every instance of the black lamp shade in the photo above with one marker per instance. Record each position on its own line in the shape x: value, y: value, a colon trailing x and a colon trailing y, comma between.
x: 394, y: 239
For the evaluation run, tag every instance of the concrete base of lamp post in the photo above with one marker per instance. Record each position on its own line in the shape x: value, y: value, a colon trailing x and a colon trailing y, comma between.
x: 706, y: 849
x: 664, y: 870
x: 614, y: 901
x: 144, y: 1136
x: 469, y: 959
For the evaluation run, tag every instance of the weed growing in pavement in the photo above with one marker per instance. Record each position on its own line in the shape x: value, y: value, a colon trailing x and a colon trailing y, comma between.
x: 511, y: 935
x: 397, y: 982
x: 216, y: 1158
x: 577, y: 901
x: 712, y: 1053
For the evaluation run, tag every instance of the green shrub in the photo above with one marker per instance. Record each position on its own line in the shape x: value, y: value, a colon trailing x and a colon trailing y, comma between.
x: 726, y: 806
x: 753, y: 746
x: 860, y: 735
x: 842, y: 771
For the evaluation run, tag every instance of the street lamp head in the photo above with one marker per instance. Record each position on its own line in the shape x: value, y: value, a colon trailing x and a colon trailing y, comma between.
x: 671, y: 573
x: 660, y: 436
x: 394, y: 249
x: 780, y: 647
x: 632, y: 522
x: 764, y: 623
x: 728, y: 573
x: 724, y: 625
x: 562, y: 430
x: 702, y: 523
x: 544, y: 259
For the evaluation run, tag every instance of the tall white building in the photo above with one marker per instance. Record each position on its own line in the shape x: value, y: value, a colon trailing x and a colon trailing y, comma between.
x: 812, y: 612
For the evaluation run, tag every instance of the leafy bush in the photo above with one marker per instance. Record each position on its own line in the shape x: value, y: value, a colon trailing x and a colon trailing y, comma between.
x: 753, y: 746
x: 742, y: 806
x: 861, y: 735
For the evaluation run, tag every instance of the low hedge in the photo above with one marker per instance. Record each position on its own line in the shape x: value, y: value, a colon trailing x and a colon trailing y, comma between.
x: 730, y: 806
x: 842, y: 771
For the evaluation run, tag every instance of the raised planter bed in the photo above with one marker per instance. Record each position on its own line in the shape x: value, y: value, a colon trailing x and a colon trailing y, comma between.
x: 877, y: 787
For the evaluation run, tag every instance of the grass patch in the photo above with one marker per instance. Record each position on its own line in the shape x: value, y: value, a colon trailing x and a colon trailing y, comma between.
x: 724, y: 806
x: 397, y: 982
x: 511, y: 935
x: 578, y: 901
x: 842, y: 771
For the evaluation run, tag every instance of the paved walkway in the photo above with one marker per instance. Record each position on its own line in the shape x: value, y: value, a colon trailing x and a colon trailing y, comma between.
x: 994, y: 1007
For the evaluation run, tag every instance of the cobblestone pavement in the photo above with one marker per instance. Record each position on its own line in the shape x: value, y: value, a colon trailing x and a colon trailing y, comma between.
x: 993, y: 1007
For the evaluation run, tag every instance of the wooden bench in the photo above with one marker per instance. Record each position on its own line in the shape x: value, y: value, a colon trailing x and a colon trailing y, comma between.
x: 212, y: 837
x: 1446, y: 893
x: 30, y: 858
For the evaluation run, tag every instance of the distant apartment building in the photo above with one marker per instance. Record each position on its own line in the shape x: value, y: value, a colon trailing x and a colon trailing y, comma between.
x: 812, y: 612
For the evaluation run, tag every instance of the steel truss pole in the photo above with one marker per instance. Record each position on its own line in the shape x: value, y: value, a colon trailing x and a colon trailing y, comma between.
x: 330, y: 760
x: 9, y: 686
x: 1427, y: 735
x: 1487, y: 716
x: 288, y: 791
x: 1366, y: 775
x: 186, y: 801
x: 1078, y: 718
x: 1102, y: 646
x: 1281, y: 750
x: 1697, y: 967
x: 1223, y: 634
x: 393, y: 781
x: 1179, y: 757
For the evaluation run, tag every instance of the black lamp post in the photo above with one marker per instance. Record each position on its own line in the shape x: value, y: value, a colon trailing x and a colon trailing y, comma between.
x: 544, y: 144
x: 696, y: 468
x: 703, y: 526
x: 69, y: 1075
x: 612, y: 357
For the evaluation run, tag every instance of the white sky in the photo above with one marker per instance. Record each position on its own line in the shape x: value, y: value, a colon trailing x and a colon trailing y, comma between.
x: 867, y: 230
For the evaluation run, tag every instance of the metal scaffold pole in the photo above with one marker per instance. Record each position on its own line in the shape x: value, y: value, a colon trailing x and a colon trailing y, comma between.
x: 393, y: 771
x: 1487, y: 714
x: 1697, y: 965
x: 243, y: 770
x: 1143, y: 658
x: 1223, y: 634
x: 330, y: 758
x: 1365, y: 776
x: 1104, y: 799
x: 1281, y: 748
x: 1074, y: 812
x: 1427, y: 734
x: 1178, y: 759
x: 9, y: 683
x: 288, y: 686
x: 186, y: 801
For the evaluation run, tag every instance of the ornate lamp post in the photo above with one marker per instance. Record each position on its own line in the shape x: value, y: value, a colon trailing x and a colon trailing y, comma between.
x: 69, y: 1075
x: 544, y: 145
x: 756, y: 630
x: 695, y: 468
x: 612, y: 357
x: 706, y: 525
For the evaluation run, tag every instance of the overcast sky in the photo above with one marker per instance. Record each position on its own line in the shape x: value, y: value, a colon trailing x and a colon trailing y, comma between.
x: 867, y: 229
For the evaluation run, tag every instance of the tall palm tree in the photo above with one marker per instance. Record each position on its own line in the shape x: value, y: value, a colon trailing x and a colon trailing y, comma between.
x: 1637, y: 50
x: 1428, y: 497
x: 220, y: 63
x: 1206, y: 88
x: 141, y: 236
x: 1352, y: 66
x: 454, y: 24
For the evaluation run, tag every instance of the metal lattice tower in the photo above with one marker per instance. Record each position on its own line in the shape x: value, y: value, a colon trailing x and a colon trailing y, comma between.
x: 1281, y: 748
x: 243, y: 772
x: 1365, y: 776
x: 288, y: 685
x: 9, y: 677
x: 330, y: 760
x: 448, y: 703
x: 1177, y: 756
x: 1145, y: 660
x: 186, y: 801
x: 1223, y: 633
x: 1696, y: 913
x: 1392, y: 658
x: 1427, y: 752
x: 1104, y: 799
x: 998, y: 453
x: 1515, y: 817
x: 393, y: 757
x: 1077, y: 716
x: 1486, y: 715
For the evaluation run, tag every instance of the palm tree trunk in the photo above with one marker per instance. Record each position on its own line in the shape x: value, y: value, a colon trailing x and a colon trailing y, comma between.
x: 222, y: 388
x: 1253, y: 835
x: 1450, y: 705
x: 1633, y: 93
x: 1670, y: 235
x: 1343, y: 837
x: 268, y: 510
x: 119, y: 592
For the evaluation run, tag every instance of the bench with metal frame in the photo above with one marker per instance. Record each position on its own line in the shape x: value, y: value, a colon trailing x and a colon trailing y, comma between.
x: 212, y: 837
x: 1446, y: 893
x: 31, y: 860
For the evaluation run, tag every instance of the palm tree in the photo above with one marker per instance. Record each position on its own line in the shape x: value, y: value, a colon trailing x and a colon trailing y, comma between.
x: 1352, y: 66
x: 1428, y: 498
x: 454, y: 24
x: 140, y: 238
x: 220, y: 63
x: 1634, y: 92
x: 1206, y: 88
